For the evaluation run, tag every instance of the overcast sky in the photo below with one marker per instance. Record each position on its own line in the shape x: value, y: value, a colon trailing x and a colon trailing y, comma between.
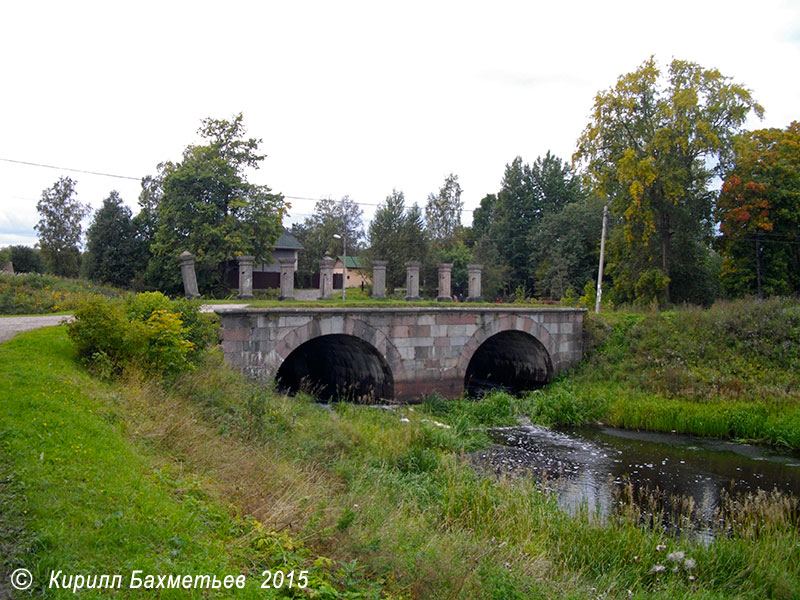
x: 350, y: 98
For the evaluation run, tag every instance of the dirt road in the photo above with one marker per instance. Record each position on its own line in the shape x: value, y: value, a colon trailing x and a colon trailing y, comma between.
x: 11, y: 326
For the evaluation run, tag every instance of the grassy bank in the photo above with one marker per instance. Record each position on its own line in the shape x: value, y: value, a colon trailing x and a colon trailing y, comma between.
x: 208, y: 473
x: 32, y: 293
x: 732, y: 371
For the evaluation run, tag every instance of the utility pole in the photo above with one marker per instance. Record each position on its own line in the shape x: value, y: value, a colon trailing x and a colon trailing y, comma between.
x: 344, y: 264
x: 602, y: 255
x: 343, y: 237
x: 344, y: 254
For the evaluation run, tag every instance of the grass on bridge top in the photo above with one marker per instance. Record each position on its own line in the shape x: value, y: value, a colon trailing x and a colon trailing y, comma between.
x: 355, y: 298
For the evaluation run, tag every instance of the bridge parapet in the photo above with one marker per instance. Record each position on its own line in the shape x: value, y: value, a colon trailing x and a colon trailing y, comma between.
x: 416, y: 350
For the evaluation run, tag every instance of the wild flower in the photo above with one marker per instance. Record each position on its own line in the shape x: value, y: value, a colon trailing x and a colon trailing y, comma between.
x: 689, y: 564
x: 675, y: 556
x: 658, y: 569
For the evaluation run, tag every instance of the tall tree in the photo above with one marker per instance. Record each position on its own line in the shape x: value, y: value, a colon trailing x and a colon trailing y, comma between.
x: 331, y: 217
x: 113, y: 250
x: 59, y: 227
x: 528, y: 193
x: 481, y: 220
x: 759, y: 214
x: 649, y: 147
x: 396, y: 235
x: 564, y: 249
x: 443, y: 213
x: 209, y: 208
x: 27, y: 260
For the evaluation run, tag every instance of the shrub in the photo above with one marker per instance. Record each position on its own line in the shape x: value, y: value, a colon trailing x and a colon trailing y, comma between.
x: 99, y: 333
x: 147, y: 331
x: 32, y: 293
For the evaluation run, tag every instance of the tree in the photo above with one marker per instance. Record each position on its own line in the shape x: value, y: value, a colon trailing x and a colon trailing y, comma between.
x: 145, y: 225
x: 496, y: 272
x: 114, y: 251
x: 26, y: 260
x: 481, y: 220
x: 396, y: 234
x: 528, y: 193
x: 59, y: 227
x: 564, y: 249
x: 443, y: 213
x: 209, y: 208
x: 652, y: 147
x: 759, y: 214
x: 339, y: 217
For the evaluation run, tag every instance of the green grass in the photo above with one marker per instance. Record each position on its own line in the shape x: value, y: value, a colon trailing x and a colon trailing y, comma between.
x: 732, y: 371
x: 32, y: 293
x: 355, y: 298
x: 210, y: 473
x: 89, y: 501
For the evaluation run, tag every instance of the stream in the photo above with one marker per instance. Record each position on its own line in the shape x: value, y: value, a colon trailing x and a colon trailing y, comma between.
x: 591, y: 467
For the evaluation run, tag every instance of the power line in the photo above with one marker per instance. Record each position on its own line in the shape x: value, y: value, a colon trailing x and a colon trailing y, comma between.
x: 33, y: 164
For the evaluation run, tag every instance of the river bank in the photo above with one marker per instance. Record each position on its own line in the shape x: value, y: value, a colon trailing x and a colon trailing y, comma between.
x: 730, y: 372
x: 207, y: 472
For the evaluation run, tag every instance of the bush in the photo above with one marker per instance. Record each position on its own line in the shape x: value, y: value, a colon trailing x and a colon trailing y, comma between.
x: 146, y: 331
x: 32, y: 293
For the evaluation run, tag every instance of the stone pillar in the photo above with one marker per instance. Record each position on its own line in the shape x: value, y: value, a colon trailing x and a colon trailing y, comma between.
x: 412, y: 280
x: 445, y: 271
x: 474, y: 277
x: 287, y: 277
x: 246, y: 276
x: 189, y: 277
x: 379, y: 278
x: 326, y: 277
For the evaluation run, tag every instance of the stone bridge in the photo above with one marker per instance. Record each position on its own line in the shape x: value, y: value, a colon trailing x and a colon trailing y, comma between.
x: 402, y: 353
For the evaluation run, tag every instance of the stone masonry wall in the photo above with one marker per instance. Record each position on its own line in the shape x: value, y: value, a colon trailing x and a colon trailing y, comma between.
x: 427, y: 348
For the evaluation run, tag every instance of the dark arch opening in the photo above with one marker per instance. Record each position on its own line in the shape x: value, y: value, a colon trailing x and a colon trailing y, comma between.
x: 510, y: 360
x: 337, y: 367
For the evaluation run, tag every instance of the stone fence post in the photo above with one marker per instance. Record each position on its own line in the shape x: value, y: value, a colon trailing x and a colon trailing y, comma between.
x: 326, y: 277
x: 188, y: 275
x: 412, y: 280
x: 445, y: 272
x: 287, y: 277
x: 246, y: 276
x: 379, y: 278
x: 474, y: 276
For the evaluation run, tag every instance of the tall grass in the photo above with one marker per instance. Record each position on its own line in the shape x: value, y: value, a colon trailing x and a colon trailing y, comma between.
x: 731, y: 371
x: 375, y: 502
x: 32, y: 293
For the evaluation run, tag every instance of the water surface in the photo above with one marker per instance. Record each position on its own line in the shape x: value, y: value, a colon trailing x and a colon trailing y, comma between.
x: 588, y: 466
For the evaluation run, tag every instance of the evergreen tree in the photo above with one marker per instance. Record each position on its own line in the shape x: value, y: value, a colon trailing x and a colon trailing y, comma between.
x: 113, y: 248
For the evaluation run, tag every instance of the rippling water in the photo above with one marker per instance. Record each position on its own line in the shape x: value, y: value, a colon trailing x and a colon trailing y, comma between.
x: 585, y: 467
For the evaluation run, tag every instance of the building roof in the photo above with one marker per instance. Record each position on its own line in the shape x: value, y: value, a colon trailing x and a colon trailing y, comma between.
x: 353, y: 262
x: 288, y: 242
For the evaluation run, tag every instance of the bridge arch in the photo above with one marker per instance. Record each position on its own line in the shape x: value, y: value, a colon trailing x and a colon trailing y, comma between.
x: 339, y: 357
x: 514, y: 352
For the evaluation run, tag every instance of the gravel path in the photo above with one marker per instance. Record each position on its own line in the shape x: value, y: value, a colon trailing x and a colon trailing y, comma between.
x: 11, y: 326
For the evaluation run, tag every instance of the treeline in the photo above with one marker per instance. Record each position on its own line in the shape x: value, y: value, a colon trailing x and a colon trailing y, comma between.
x: 203, y: 203
x: 699, y: 207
